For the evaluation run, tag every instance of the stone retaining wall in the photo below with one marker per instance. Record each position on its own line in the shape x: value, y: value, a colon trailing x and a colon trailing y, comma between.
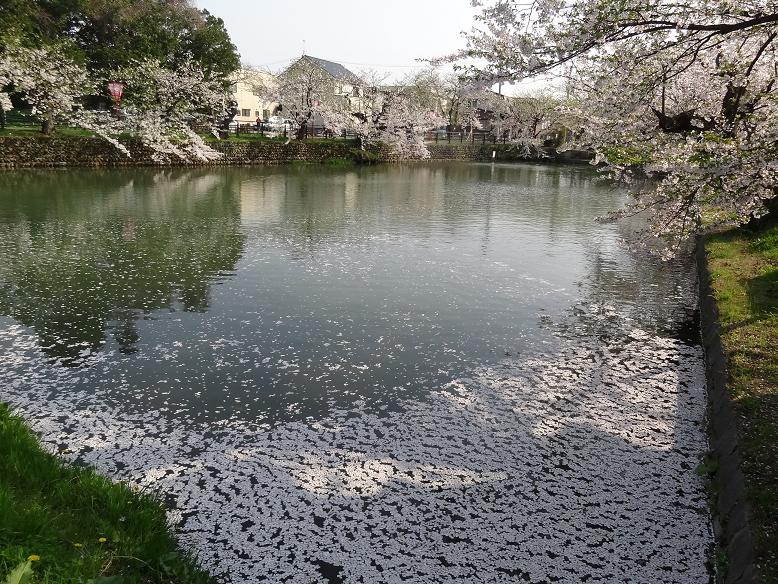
x: 42, y: 151
x: 731, y: 510
x: 93, y: 151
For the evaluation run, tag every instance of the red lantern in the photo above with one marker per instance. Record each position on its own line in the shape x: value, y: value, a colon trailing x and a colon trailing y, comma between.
x: 116, y: 89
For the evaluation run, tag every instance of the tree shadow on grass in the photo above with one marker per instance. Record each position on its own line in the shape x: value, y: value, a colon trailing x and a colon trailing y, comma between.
x: 763, y: 294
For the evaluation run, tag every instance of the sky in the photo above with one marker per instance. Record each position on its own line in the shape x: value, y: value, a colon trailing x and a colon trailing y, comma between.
x: 385, y: 36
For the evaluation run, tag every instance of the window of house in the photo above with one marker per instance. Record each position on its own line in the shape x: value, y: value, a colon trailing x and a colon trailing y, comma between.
x: 256, y: 114
x: 246, y: 113
x: 265, y: 114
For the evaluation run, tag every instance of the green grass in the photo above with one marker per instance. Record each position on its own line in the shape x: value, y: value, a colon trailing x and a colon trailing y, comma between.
x: 80, y: 526
x: 242, y: 138
x: 744, y: 268
x: 33, y: 131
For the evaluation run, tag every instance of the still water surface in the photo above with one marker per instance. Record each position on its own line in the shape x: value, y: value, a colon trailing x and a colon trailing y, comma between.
x: 265, y: 299
x: 273, y: 294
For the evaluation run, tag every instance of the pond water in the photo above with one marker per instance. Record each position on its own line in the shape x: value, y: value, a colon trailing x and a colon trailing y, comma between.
x: 427, y: 373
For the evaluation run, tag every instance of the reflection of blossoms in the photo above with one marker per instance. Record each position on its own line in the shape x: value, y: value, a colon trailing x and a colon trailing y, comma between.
x: 683, y: 91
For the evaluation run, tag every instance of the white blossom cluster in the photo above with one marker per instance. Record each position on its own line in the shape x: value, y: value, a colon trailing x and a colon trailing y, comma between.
x: 5, y: 101
x: 50, y: 81
x: 380, y: 115
x: 681, y: 91
x: 161, y: 105
x: 389, y: 116
x: 160, y: 108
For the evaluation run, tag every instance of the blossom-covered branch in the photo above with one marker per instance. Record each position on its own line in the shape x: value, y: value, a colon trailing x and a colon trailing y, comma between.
x: 683, y: 91
x: 46, y: 78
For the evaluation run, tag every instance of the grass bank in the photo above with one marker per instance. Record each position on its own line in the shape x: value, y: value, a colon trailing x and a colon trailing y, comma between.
x: 28, y: 131
x: 744, y: 272
x: 63, y: 524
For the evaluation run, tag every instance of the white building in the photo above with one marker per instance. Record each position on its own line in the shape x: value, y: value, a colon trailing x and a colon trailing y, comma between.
x: 244, y: 91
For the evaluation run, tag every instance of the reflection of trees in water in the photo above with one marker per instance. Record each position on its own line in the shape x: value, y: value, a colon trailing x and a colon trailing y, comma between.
x: 311, y: 207
x: 83, y: 249
x: 627, y: 285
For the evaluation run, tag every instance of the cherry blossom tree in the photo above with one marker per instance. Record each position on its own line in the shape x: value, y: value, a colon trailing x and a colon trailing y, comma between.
x: 456, y: 101
x: 397, y: 116
x: 683, y: 91
x: 5, y: 102
x: 304, y: 92
x: 46, y: 78
x: 5, y: 105
x: 161, y: 107
x: 536, y: 114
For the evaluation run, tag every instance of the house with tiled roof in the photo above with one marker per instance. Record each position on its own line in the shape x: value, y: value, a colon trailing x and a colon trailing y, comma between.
x: 345, y: 83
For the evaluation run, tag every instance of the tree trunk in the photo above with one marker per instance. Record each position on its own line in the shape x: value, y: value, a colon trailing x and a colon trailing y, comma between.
x: 302, y: 131
x: 2, y: 119
x: 48, y: 125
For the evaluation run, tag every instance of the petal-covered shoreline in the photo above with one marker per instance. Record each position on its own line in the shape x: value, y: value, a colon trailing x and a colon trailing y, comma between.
x: 559, y: 467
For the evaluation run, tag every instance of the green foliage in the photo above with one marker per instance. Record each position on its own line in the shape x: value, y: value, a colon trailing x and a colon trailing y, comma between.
x: 366, y: 156
x: 211, y: 46
x: 701, y: 157
x: 21, y: 574
x: 626, y: 156
x: 767, y: 243
x: 708, y: 467
x: 76, y: 525
x: 35, y: 131
x: 109, y: 34
x: 722, y: 563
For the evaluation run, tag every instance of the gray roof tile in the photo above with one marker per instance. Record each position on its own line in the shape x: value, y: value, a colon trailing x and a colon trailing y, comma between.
x: 337, y: 70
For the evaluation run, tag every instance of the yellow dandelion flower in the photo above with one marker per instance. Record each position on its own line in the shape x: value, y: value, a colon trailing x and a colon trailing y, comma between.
x: 78, y: 545
x: 34, y: 558
x: 103, y: 539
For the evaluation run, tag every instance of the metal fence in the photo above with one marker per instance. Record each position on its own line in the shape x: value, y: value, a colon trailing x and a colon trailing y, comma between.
x: 265, y: 129
x: 464, y: 136
x: 314, y: 131
x: 19, y: 118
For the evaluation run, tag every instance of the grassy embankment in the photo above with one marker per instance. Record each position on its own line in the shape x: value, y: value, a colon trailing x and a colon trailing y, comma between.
x: 744, y: 270
x: 61, y: 524
x: 35, y: 131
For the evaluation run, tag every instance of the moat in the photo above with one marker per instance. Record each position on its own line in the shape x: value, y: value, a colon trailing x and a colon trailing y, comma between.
x: 437, y: 372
